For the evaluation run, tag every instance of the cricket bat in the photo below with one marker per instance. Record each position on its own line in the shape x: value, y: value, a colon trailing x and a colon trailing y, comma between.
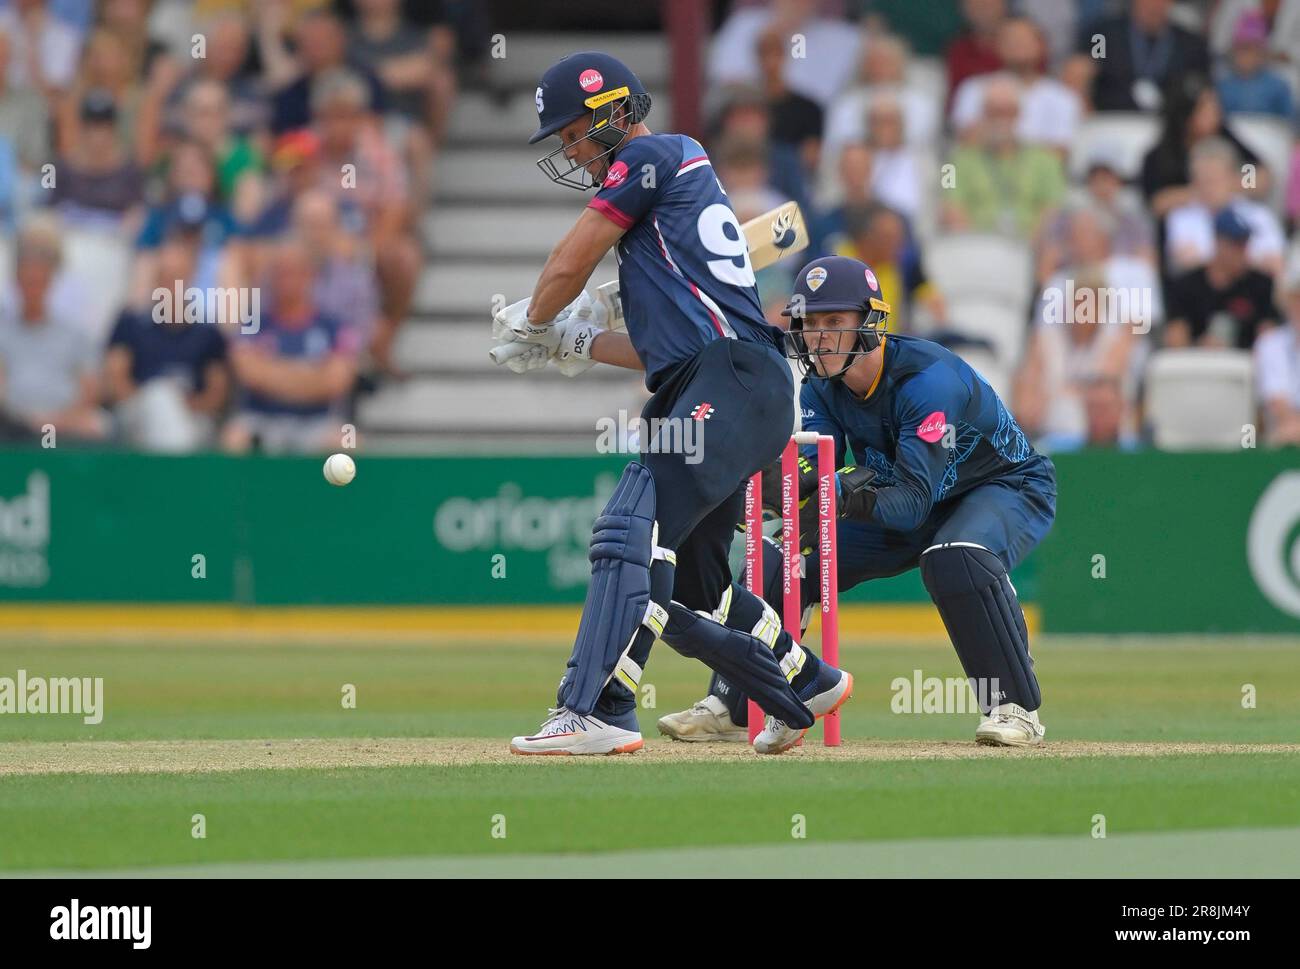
x: 770, y: 236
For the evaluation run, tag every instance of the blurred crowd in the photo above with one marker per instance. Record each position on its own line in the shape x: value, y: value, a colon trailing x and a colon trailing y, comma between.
x: 1010, y: 169
x: 165, y: 163
x: 1143, y: 149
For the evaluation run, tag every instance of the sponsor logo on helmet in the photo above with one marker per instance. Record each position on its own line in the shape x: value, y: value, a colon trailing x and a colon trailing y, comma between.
x: 617, y: 172
x: 538, y: 98
x: 816, y: 276
x: 931, y: 428
x: 871, y: 278
x: 590, y: 80
x: 604, y: 97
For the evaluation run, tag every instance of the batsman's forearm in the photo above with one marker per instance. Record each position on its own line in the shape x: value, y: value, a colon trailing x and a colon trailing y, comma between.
x: 559, y: 285
x: 616, y: 349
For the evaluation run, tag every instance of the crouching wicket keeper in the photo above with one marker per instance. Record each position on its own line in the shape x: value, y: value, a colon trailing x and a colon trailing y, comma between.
x: 945, y: 481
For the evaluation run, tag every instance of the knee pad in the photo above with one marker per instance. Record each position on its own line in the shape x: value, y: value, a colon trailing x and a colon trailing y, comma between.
x: 619, y: 597
x: 980, y: 610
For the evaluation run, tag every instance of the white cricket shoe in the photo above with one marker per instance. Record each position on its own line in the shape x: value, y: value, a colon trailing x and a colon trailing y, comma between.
x: 777, y: 736
x: 707, y: 720
x: 1010, y: 725
x: 566, y: 732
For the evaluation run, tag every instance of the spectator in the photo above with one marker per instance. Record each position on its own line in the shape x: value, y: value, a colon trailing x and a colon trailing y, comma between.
x: 1104, y: 192
x: 189, y: 207
x: 1064, y: 357
x: 345, y: 282
x: 853, y: 173
x: 1109, y: 419
x: 744, y: 115
x: 976, y: 50
x: 1277, y: 372
x: 1282, y: 21
x: 795, y: 121
x: 379, y: 205
x: 414, y: 64
x: 295, y: 168
x: 1216, y: 185
x: 1144, y: 52
x: 1108, y: 415
x: 1058, y: 23
x: 1293, y: 189
x: 1224, y: 303
x: 320, y: 49
x: 45, y: 49
x: 128, y: 21
x: 47, y: 363
x: 105, y: 68
x: 742, y: 168
x: 896, y: 177
x: 295, y: 373
x: 167, y: 377
x: 1192, y: 114
x: 883, y: 72
x: 1049, y: 111
x: 1003, y: 185
x: 99, y: 187
x: 828, y: 56
x: 24, y: 117
x: 879, y: 237
x: 227, y: 45
x: 1247, y: 86
x: 1087, y: 250
x: 238, y: 162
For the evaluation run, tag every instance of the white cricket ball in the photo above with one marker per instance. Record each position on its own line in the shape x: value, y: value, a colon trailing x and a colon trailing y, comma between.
x: 340, y: 469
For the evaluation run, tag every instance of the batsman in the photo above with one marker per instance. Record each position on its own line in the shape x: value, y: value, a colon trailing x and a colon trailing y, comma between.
x: 944, y: 481
x: 694, y: 324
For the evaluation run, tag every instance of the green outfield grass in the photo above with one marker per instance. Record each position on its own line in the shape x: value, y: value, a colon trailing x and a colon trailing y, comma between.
x: 1156, y: 691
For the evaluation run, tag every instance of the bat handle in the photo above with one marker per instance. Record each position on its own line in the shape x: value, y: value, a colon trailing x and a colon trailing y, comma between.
x: 508, y: 351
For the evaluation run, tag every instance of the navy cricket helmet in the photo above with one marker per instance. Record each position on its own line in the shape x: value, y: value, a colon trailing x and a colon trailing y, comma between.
x: 836, y: 283
x: 587, y: 83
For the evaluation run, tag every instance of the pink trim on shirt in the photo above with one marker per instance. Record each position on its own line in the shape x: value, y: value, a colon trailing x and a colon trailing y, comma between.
x: 611, y: 212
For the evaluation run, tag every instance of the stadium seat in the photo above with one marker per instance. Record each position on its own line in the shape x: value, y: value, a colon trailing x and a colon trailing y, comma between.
x: 1000, y: 322
x: 1199, y: 399
x: 989, y: 366
x: 976, y: 264
x: 479, y: 118
x: 469, y: 405
x: 528, y: 56
x: 1128, y: 136
x: 496, y: 232
x: 1271, y: 139
x: 469, y: 289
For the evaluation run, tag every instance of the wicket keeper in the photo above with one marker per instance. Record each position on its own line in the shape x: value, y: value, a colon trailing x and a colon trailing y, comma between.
x: 944, y: 481
x: 659, y: 550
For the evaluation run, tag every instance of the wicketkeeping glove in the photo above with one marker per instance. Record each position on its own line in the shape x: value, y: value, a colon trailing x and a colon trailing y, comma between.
x: 854, y: 500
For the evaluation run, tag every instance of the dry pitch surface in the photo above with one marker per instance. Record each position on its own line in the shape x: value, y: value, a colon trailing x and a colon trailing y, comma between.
x: 207, y: 756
